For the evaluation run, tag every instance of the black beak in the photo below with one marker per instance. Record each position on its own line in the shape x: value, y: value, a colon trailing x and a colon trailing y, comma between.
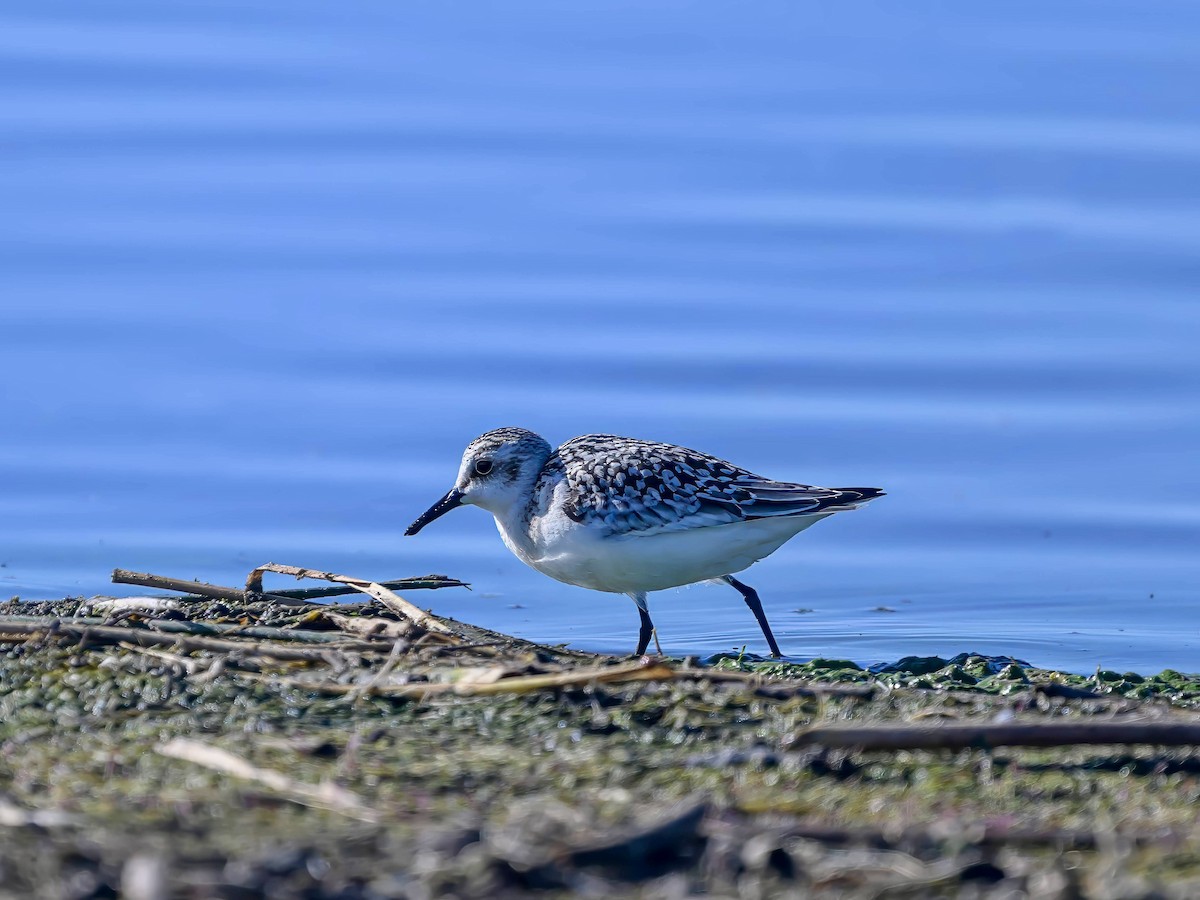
x: 439, y: 509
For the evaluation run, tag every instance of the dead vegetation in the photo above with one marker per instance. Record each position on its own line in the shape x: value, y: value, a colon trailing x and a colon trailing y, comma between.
x: 237, y: 743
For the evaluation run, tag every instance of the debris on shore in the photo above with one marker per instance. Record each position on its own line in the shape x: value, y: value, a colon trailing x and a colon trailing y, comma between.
x: 235, y: 743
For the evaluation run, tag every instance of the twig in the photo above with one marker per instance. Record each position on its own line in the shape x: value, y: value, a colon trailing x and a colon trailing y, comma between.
x: 370, y: 626
x: 487, y: 648
x: 1006, y: 734
x: 519, y: 685
x: 112, y: 634
x: 393, y: 602
x: 186, y: 663
x: 213, y: 666
x: 636, y: 671
x: 386, y: 669
x: 422, y: 583
x: 289, y: 597
x: 883, y: 870
x: 33, y: 624
x: 323, y: 796
x: 200, y: 588
x: 400, y: 606
x: 142, y: 606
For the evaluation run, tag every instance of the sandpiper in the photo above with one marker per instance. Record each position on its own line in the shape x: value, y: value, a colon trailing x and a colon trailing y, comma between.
x: 627, y: 516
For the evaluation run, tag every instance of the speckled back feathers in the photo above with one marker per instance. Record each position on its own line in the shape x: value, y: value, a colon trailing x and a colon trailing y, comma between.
x: 636, y: 486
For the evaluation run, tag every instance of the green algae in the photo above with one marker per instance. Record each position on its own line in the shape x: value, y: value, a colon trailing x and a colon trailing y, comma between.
x: 974, y: 672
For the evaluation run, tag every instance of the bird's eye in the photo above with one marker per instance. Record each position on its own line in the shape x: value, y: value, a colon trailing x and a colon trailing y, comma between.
x: 483, y: 466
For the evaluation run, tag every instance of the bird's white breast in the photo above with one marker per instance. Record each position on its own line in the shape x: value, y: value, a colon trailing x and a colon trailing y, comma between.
x: 587, y: 556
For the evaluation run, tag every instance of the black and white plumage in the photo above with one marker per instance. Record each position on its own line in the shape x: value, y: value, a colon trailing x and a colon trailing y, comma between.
x: 629, y: 516
x: 645, y: 487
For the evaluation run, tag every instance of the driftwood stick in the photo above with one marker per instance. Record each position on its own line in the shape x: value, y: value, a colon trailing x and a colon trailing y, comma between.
x: 200, y: 588
x: 1174, y: 732
x: 393, y: 602
x: 420, y: 583
x: 112, y: 634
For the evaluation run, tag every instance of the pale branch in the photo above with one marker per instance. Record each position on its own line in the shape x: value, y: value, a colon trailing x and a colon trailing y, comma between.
x: 325, y: 796
x: 393, y: 602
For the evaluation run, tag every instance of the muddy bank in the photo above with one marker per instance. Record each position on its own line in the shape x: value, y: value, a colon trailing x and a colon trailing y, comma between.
x: 217, y: 748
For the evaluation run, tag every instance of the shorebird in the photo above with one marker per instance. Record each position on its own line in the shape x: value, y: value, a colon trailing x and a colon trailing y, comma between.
x: 627, y: 516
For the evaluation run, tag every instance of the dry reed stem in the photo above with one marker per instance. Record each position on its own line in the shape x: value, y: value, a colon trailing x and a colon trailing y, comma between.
x: 518, y: 685
x: 323, y: 796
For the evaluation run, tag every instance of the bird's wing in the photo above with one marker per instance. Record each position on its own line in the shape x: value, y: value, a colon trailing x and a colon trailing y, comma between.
x: 643, y: 486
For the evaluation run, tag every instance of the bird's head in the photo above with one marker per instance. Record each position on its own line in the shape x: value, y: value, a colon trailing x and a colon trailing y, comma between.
x: 498, y: 470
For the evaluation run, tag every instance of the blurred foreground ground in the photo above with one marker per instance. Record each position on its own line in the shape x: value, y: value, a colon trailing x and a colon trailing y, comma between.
x: 386, y: 759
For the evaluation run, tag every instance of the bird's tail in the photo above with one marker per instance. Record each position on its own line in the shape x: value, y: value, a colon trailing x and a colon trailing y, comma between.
x: 849, y: 498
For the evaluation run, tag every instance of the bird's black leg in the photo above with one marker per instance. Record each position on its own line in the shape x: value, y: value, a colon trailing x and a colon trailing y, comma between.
x: 647, y: 629
x: 645, y: 633
x: 751, y: 597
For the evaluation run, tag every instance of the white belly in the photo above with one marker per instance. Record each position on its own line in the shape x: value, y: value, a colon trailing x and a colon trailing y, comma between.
x: 652, y: 562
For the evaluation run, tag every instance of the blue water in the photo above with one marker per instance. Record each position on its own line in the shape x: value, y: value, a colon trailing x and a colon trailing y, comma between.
x: 266, y: 268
